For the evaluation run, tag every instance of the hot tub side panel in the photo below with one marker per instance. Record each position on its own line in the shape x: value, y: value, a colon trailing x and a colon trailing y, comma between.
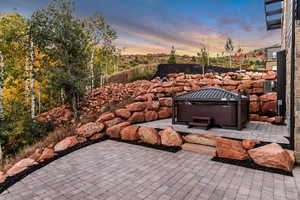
x: 224, y: 115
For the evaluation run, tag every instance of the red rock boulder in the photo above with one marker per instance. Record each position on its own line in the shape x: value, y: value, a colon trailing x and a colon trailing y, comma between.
x: 137, y: 117
x: 272, y: 96
x: 153, y: 105
x: 114, y: 131
x: 123, y: 113
x: 113, y: 122
x: 151, y: 116
x: 231, y: 149
x: 250, y: 144
x: 137, y: 106
x: 90, y: 129
x: 254, y: 107
x: 164, y: 112
x: 47, y: 153
x: 130, y: 133
x: 166, y: 102
x: 200, y: 139
x: 274, y: 156
x: 254, y: 117
x: 66, y: 143
x: 21, y: 166
x: 149, y: 135
x: 270, y: 106
x: 97, y: 136
x: 169, y: 137
x: 231, y: 83
x: 105, y: 117
x: 2, y: 177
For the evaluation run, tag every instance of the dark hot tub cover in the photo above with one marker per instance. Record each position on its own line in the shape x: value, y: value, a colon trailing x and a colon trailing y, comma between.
x: 210, y: 94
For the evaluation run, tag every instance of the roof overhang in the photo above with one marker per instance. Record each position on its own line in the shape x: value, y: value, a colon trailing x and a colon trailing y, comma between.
x: 273, y: 13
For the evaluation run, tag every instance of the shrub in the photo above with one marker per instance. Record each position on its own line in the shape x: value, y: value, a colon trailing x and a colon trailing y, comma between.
x: 15, y: 135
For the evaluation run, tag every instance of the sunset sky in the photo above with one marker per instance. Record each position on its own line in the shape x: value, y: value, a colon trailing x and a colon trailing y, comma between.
x: 153, y: 26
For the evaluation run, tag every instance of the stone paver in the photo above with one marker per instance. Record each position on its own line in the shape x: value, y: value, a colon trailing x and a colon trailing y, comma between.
x: 255, y: 130
x: 118, y: 171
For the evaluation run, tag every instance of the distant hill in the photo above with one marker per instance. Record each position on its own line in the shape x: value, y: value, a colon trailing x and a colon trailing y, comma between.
x: 249, y: 60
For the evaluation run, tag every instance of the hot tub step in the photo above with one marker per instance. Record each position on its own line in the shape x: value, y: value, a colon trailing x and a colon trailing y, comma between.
x: 198, y: 148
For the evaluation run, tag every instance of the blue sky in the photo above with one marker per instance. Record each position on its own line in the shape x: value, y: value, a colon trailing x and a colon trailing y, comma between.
x: 153, y: 26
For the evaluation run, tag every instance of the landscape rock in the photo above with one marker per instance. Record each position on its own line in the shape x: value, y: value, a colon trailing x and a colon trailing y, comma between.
x: 123, y: 113
x: 105, y: 117
x: 166, y: 102
x: 89, y: 129
x: 81, y: 139
x: 21, y: 166
x: 169, y: 137
x: 254, y: 107
x: 66, y: 143
x: 149, y: 135
x: 137, y: 117
x: 2, y: 177
x: 130, y: 133
x: 231, y: 82
x: 164, y: 112
x: 114, y: 131
x: 272, y: 96
x: 270, y: 106
x: 151, y: 116
x: 97, y: 136
x: 37, y: 153
x: 113, y: 122
x: 250, y: 144
x: 231, y: 149
x: 263, y: 118
x: 47, y: 153
x: 154, y: 105
x: 200, y: 139
x: 274, y: 156
x: 254, y: 117
x: 200, y: 149
x: 137, y: 106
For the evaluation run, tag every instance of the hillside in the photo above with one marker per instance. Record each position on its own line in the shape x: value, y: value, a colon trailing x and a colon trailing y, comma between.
x: 250, y: 60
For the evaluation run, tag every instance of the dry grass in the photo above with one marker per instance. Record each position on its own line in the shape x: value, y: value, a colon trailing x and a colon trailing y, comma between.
x: 49, y: 141
x: 134, y: 73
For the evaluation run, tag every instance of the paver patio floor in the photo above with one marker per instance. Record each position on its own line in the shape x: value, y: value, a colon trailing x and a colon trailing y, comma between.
x: 113, y: 170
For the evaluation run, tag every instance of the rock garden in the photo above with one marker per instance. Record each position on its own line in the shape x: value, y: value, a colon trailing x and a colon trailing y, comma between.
x: 116, y: 111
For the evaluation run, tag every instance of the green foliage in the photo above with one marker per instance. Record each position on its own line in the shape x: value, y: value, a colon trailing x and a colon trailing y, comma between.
x: 64, y: 40
x: 203, y: 57
x: 172, y: 58
x: 18, y: 133
x: 229, y: 45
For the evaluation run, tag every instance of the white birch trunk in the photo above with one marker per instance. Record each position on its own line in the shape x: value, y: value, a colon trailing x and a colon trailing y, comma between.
x: 39, y: 98
x: 62, y: 96
x: 1, y: 95
x: 32, y: 91
x: 230, y: 60
x: 92, y: 69
x: 1, y: 86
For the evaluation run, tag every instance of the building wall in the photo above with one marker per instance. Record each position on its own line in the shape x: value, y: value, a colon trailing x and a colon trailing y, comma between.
x: 286, y: 43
